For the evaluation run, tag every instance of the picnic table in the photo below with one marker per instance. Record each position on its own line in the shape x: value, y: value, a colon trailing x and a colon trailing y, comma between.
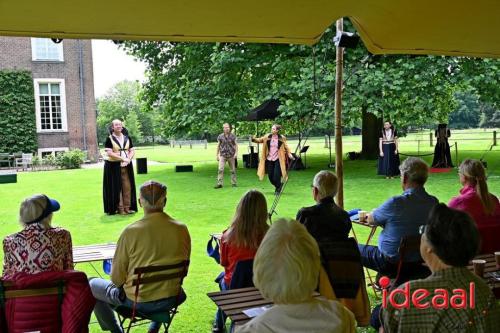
x: 91, y: 253
x: 489, y: 268
x: 233, y: 302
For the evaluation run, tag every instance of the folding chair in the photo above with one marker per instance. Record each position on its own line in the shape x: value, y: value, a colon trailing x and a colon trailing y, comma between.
x: 342, y: 277
x: 165, y: 273
x: 16, y: 314
x: 409, y: 270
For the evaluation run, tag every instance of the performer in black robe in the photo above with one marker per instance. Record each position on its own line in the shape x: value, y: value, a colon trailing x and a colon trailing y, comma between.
x: 442, y: 155
x: 118, y: 181
x: 388, y: 162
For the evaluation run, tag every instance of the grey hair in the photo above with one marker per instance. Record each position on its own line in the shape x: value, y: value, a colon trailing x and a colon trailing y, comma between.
x: 415, y: 169
x: 327, y: 183
x: 31, y: 208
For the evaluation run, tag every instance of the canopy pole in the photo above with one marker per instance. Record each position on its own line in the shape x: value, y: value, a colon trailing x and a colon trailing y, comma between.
x: 339, y: 166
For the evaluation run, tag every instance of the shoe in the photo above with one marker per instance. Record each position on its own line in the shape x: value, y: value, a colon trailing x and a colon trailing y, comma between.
x: 218, y: 186
x: 234, y: 185
x: 127, y: 211
x: 122, y: 212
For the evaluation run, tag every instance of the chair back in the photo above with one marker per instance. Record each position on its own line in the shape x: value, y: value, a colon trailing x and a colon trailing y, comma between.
x: 342, y: 262
x: 242, y: 275
x: 342, y: 278
x: 163, y: 273
x: 407, y: 270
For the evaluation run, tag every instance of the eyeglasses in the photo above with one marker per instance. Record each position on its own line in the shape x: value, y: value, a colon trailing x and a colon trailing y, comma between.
x: 422, y: 229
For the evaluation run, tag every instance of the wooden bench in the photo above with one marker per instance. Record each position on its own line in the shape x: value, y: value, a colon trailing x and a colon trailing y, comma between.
x: 189, y: 143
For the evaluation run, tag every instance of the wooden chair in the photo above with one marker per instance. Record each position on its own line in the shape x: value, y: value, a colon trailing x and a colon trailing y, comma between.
x: 5, y: 159
x: 164, y: 273
x: 409, y: 270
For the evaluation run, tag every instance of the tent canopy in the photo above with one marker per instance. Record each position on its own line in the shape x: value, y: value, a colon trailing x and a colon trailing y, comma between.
x: 446, y: 27
x: 266, y: 111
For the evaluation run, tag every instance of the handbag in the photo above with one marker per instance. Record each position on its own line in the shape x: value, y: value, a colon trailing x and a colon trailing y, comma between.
x: 213, y: 250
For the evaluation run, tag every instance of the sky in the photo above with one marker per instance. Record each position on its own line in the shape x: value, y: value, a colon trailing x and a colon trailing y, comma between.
x: 112, y: 65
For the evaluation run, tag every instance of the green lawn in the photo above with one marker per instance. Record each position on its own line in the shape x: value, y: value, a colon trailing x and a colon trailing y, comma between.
x: 192, y: 200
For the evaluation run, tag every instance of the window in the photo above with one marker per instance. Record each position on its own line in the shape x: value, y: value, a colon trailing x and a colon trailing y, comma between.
x: 50, y: 105
x: 44, y: 152
x: 44, y: 49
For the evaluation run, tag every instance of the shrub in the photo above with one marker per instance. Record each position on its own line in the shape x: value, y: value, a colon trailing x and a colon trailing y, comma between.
x: 72, y: 159
x: 17, y: 112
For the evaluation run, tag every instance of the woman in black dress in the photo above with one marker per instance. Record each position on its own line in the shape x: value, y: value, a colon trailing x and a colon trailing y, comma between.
x: 388, y: 162
x: 442, y: 156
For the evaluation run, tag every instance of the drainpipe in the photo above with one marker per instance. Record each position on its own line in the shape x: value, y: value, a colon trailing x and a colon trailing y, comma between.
x: 82, y: 101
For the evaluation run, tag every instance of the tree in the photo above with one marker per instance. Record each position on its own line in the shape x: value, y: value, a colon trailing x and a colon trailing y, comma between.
x: 199, y: 86
x: 133, y: 126
x: 468, y: 111
x: 125, y: 101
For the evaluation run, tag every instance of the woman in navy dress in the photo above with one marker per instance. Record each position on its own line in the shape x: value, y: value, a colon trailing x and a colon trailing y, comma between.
x: 388, y: 162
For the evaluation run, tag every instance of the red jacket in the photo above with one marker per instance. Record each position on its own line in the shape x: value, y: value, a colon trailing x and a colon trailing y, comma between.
x: 44, y: 313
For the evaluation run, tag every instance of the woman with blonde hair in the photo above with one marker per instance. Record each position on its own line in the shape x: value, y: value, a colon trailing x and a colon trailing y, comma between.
x: 241, y: 240
x: 481, y: 205
x: 286, y: 270
x: 38, y: 247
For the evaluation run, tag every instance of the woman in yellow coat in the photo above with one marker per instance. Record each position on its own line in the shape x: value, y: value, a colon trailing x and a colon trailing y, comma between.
x: 275, y: 151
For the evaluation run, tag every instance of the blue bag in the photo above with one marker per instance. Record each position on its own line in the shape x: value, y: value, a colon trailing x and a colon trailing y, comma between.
x: 213, y: 251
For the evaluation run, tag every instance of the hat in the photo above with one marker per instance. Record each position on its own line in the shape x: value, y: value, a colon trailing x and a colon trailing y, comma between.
x: 51, y: 206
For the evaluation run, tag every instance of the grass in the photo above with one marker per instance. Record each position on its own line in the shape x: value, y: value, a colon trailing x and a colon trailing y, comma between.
x: 192, y: 200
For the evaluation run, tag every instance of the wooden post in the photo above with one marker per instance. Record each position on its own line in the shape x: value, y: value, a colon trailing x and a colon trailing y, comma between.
x: 339, y: 166
x: 430, y: 138
x: 494, y: 138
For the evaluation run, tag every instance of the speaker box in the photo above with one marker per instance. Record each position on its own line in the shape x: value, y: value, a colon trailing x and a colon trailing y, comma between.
x: 183, y: 168
x: 142, y: 165
x: 8, y: 177
x: 251, y: 161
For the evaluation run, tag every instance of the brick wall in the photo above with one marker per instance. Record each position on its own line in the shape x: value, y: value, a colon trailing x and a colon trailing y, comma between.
x: 15, y: 53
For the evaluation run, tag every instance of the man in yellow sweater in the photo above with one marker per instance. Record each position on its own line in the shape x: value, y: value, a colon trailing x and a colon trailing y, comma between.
x: 156, y: 239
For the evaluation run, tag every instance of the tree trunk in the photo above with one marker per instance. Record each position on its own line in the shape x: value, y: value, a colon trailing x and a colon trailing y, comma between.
x: 371, y: 127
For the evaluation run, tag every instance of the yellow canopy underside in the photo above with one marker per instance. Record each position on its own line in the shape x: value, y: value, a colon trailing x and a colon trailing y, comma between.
x: 447, y: 27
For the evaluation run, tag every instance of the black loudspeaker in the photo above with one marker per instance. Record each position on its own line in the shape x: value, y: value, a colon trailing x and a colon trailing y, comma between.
x: 8, y: 177
x: 346, y: 39
x: 142, y: 165
x: 183, y: 168
x: 251, y: 161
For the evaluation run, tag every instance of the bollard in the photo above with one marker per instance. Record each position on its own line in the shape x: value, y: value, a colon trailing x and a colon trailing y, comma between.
x: 494, y: 138
x: 430, y: 139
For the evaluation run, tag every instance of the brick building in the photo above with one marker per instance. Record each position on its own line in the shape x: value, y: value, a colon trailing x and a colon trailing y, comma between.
x: 64, y: 90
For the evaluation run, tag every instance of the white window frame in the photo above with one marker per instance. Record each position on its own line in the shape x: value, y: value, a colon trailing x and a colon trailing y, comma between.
x: 64, y: 116
x: 51, y: 150
x: 34, y: 55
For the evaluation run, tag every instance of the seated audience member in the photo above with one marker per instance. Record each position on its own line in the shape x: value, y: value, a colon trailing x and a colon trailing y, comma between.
x: 241, y: 240
x: 325, y: 221
x: 38, y: 247
x: 481, y: 205
x: 286, y: 269
x: 156, y: 239
x: 449, y: 241
x: 399, y: 216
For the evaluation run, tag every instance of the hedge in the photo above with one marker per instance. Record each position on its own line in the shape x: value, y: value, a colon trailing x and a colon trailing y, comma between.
x: 17, y: 112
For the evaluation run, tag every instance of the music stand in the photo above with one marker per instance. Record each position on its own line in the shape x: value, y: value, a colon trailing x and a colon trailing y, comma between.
x: 304, y: 151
